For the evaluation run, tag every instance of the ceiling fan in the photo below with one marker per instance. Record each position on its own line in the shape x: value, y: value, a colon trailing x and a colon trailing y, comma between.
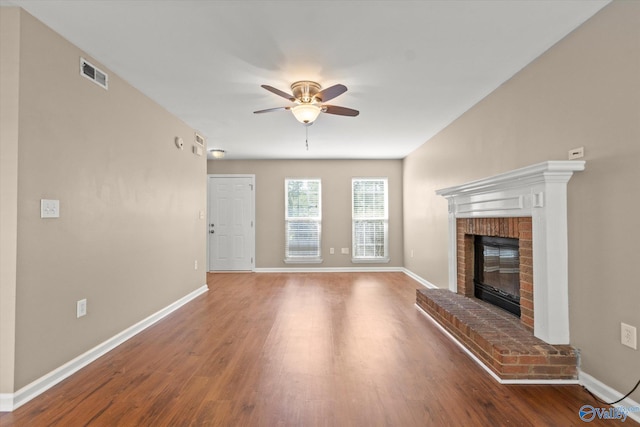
x: 309, y: 97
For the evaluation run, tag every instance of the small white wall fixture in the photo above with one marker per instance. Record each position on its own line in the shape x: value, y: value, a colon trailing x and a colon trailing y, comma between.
x: 538, y: 191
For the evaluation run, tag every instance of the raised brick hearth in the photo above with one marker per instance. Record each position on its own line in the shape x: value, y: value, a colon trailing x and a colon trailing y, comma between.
x: 498, y: 338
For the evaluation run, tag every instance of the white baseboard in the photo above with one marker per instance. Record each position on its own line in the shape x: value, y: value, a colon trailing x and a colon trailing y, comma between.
x: 330, y: 270
x: 608, y: 394
x: 483, y: 366
x: 423, y: 282
x: 6, y: 402
x: 12, y: 401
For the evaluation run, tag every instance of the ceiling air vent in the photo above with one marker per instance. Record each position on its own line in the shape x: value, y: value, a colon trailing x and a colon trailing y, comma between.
x: 93, y: 73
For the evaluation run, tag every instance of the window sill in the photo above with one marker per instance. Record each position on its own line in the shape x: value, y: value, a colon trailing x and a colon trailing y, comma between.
x: 303, y: 260
x: 383, y: 260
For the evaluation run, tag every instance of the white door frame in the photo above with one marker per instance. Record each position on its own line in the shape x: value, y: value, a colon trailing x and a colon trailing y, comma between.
x: 252, y: 213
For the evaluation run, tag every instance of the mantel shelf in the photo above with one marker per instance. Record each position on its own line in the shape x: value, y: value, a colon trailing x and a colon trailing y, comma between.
x: 549, y: 170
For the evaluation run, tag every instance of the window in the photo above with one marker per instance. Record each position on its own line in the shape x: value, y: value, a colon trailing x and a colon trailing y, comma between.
x: 370, y: 220
x: 303, y: 220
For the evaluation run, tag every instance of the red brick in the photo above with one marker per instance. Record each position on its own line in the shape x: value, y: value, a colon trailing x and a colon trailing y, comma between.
x: 524, y: 224
x: 526, y: 235
x: 526, y: 279
x: 525, y: 244
x: 515, y: 369
x: 526, y: 269
x: 563, y: 360
x: 528, y: 323
x: 547, y: 369
x: 526, y: 314
x: 524, y: 303
x: 506, y: 359
x: 532, y: 360
x: 526, y: 253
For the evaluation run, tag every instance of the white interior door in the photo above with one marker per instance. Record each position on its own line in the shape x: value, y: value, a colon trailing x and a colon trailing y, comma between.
x: 231, y: 223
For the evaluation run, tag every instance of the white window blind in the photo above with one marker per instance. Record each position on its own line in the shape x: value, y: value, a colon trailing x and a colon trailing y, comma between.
x: 303, y: 220
x: 370, y: 220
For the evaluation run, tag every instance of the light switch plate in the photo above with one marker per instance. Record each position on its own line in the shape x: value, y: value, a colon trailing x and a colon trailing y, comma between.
x: 49, y: 208
x: 81, y: 308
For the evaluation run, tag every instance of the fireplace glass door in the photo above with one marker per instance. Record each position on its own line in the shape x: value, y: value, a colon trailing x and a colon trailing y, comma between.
x: 497, y: 272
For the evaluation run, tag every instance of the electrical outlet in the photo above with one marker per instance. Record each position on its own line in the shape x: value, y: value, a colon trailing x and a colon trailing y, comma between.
x: 81, y: 308
x: 628, y: 336
x: 195, y: 265
x: 332, y: 251
x: 345, y: 251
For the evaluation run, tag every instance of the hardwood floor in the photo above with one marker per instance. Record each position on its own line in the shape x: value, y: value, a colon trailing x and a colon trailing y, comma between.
x: 308, y: 349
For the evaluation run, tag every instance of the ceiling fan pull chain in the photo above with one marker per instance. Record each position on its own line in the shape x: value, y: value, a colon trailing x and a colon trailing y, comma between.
x: 306, y: 137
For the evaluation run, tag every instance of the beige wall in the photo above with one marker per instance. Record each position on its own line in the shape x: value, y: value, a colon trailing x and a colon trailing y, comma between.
x: 9, y: 82
x: 336, y: 205
x: 585, y: 91
x: 129, y: 230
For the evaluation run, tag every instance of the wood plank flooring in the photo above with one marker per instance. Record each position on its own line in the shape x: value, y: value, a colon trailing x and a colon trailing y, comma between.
x: 303, y: 349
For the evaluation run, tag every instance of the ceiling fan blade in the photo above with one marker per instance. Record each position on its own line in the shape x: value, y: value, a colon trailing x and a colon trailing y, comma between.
x: 340, y: 111
x: 331, y: 92
x: 278, y: 92
x: 268, y: 110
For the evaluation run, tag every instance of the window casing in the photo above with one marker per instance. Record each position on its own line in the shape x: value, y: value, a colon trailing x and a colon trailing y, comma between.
x: 303, y: 220
x: 370, y: 220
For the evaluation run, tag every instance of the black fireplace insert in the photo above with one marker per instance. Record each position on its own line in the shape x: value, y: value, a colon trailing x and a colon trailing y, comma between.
x: 497, y: 272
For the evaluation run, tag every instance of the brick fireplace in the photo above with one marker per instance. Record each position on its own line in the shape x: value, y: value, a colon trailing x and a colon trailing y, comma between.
x: 528, y: 204
x: 516, y: 228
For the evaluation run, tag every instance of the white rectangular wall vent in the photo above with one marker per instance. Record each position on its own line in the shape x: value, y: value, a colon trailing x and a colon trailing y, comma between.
x: 93, y: 73
x: 199, y: 139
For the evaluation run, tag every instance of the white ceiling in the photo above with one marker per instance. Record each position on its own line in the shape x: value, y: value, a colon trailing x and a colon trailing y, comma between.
x: 411, y: 67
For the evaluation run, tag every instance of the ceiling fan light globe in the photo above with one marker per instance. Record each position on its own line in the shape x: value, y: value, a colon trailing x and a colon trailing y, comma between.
x: 306, y: 113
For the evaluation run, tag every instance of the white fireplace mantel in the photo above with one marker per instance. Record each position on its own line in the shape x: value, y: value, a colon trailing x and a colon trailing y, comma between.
x: 540, y: 192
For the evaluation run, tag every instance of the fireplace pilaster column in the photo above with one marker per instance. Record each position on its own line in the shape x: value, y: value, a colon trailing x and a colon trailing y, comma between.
x: 453, y: 247
x: 551, y: 259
